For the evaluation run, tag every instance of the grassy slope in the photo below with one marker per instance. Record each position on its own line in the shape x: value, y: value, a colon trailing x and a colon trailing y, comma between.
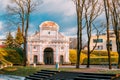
x: 3, y: 61
x: 9, y: 56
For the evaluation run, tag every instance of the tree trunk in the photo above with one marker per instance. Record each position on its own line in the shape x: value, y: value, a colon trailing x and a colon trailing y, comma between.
x: 106, y: 6
x: 88, y: 60
x: 119, y: 59
x: 118, y: 50
x: 26, y: 31
x: 25, y: 52
x: 78, y: 36
x: 79, y: 33
x: 78, y: 59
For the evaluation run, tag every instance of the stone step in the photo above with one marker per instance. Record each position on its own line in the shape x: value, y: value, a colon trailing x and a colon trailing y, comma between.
x: 98, y: 74
x: 49, y: 71
x: 42, y: 74
x: 64, y: 75
x: 45, y: 72
x: 88, y: 78
x: 95, y: 76
x: 33, y: 78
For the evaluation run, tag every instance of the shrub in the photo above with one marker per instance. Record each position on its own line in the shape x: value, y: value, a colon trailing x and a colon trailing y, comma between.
x: 5, y: 62
x: 114, y: 53
x: 20, y: 51
x: 10, y: 55
x: 101, y: 60
x: 73, y: 56
x: 100, y: 53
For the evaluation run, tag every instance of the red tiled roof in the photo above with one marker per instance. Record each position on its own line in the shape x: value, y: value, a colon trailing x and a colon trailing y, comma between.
x: 2, y: 46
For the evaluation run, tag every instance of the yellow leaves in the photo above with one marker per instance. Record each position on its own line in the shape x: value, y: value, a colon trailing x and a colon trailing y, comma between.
x: 73, y: 56
x: 10, y: 69
x: 96, y: 56
x: 114, y: 53
x: 3, y: 53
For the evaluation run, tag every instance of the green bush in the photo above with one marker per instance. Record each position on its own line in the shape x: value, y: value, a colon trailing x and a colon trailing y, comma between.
x: 100, y: 53
x: 10, y: 55
x: 5, y: 62
x: 20, y: 51
x: 101, y: 60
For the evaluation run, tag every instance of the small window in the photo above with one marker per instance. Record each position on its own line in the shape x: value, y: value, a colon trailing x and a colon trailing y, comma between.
x: 97, y: 40
x: 110, y: 41
x: 98, y: 47
x: 35, y: 48
x: 62, y: 48
x: 101, y: 47
x: 48, y: 32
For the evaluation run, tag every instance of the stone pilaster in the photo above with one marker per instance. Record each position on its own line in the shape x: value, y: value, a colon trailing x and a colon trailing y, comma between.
x: 41, y: 55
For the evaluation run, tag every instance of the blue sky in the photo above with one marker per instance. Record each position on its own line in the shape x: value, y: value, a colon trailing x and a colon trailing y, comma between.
x: 60, y: 11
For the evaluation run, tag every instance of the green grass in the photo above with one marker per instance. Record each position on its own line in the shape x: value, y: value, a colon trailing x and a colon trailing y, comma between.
x: 25, y: 71
x: 10, y: 56
x: 19, y: 70
x: 110, y: 71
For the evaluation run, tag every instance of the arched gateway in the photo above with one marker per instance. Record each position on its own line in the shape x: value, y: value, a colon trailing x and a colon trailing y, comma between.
x: 48, y: 46
x: 48, y: 56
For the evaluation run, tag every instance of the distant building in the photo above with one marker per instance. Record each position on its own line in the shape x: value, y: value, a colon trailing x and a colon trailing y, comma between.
x: 73, y: 43
x: 102, y: 42
x: 2, y: 43
x: 48, y: 46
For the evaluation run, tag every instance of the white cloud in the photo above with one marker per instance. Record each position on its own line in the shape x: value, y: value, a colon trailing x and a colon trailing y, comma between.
x: 65, y: 7
x: 70, y: 31
x: 2, y: 37
x: 1, y: 26
x: 3, y: 4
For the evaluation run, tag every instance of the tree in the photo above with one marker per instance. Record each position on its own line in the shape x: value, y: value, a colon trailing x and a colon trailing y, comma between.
x: 79, y: 10
x: 92, y: 11
x: 22, y: 10
x: 107, y: 13
x: 9, y: 41
x: 19, y: 37
x: 115, y: 18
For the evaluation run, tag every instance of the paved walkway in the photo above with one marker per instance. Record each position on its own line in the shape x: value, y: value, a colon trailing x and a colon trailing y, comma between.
x: 81, y: 66
x: 93, y: 68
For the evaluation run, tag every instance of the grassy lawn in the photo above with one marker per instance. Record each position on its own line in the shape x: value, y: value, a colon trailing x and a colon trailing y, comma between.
x: 25, y: 71
x: 20, y: 70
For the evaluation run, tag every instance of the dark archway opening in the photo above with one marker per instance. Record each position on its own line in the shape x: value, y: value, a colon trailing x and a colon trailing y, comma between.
x: 35, y: 59
x: 61, y: 59
x: 48, y: 56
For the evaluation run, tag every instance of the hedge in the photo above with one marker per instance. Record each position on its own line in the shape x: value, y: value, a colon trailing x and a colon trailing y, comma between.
x: 101, y: 60
x: 73, y: 56
x: 96, y: 57
x: 100, y: 53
